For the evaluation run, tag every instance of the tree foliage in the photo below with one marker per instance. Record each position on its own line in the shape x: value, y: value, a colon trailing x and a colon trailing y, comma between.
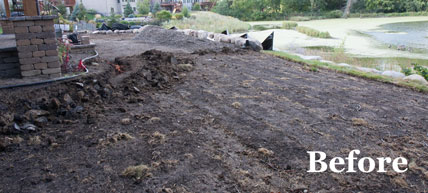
x: 156, y: 8
x: 79, y: 12
x: 128, y: 10
x: 143, y: 7
x: 196, y: 7
x: 280, y: 9
x: 164, y: 15
x: 185, y: 12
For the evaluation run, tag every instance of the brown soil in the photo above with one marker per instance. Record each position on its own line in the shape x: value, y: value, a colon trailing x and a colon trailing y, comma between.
x: 206, y: 120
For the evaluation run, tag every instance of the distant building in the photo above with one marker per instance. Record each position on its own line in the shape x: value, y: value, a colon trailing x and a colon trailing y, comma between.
x: 105, y: 7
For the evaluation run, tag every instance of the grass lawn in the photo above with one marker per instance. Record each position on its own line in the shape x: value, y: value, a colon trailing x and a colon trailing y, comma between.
x: 209, y: 21
x: 313, y: 64
x: 1, y: 30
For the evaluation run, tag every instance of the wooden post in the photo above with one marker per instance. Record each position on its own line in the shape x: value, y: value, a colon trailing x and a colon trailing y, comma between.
x: 6, y: 6
x: 30, y: 7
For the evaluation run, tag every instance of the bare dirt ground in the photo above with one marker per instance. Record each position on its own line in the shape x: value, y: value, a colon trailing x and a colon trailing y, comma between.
x: 206, y: 118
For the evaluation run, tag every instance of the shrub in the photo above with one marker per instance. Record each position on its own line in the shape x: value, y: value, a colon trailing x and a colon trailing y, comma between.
x: 407, y: 71
x: 164, y: 15
x: 179, y: 16
x: 131, y: 15
x: 299, y: 18
x: 128, y: 10
x: 289, y: 25
x: 196, y: 7
x: 312, y: 32
x: 185, y: 12
x: 421, y: 70
x: 334, y: 14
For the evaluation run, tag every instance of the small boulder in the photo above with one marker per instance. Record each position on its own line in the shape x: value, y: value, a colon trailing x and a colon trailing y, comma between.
x: 344, y: 65
x: 34, y: 114
x: 417, y: 78
x: 372, y: 70
x: 393, y: 74
x: 126, y: 121
x: 68, y: 99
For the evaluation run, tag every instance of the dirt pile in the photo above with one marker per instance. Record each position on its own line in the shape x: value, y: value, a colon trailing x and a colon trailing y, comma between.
x: 159, y: 36
x: 30, y: 110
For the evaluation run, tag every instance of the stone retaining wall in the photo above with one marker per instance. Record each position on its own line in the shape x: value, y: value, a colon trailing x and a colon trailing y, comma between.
x: 37, y: 46
x: 7, y: 26
x: 9, y: 63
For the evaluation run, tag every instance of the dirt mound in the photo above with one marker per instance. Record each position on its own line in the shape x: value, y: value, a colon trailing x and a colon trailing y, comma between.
x: 160, y: 36
x: 79, y: 100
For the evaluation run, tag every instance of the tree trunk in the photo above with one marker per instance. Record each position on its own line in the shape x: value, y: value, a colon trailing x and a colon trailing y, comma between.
x: 348, y: 8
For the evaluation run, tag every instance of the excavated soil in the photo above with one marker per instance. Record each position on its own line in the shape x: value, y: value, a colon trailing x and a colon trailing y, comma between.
x: 206, y: 120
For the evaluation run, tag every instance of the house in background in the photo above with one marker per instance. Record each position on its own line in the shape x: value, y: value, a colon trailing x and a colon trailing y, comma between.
x: 105, y: 7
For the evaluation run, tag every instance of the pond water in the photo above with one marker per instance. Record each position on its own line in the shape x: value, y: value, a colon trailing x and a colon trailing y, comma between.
x: 409, y: 34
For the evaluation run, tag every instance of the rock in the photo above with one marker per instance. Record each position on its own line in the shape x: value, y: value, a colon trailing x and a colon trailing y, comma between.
x: 344, y: 65
x: 55, y: 103
x: 240, y: 42
x: 129, y: 31
x: 136, y: 89
x: 185, y: 67
x: 225, y: 39
x: 126, y: 121
x: 311, y: 57
x: 401, y: 48
x: 109, y: 32
x: 41, y: 121
x: 393, y: 74
x: 122, y: 31
x: 29, y: 127
x: 81, y: 95
x: 81, y: 85
x: 135, y: 31
x: 417, y: 78
x: 202, y: 34
x: 187, y: 31
x: 116, y: 31
x: 96, y: 32
x: 211, y: 35
x: 34, y: 114
x: 68, y: 99
x: 329, y: 62
x: 371, y: 70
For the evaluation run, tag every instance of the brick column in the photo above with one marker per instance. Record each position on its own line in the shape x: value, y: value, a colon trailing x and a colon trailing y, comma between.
x: 6, y: 25
x: 37, y: 46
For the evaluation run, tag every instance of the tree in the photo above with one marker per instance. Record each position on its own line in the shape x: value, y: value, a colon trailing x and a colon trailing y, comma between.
x: 61, y: 8
x: 164, y: 15
x: 156, y: 8
x: 196, y: 7
x: 143, y: 7
x: 128, y: 10
x: 79, y: 12
x: 185, y: 12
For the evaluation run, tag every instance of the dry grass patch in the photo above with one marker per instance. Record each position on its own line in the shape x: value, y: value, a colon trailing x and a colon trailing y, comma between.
x: 157, y: 138
x: 137, y: 172
x: 359, y: 122
x: 236, y: 105
x: 265, y: 151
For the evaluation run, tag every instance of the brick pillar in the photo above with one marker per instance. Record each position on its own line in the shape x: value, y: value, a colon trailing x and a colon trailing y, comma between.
x: 37, y: 46
x: 7, y: 26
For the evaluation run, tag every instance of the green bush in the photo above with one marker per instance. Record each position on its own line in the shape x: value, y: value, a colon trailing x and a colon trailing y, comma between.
x: 334, y: 14
x: 312, y: 32
x: 289, y: 25
x: 164, y: 15
x: 185, y: 12
x: 196, y: 7
x: 179, y: 16
x: 407, y: 71
x: 299, y: 18
x: 421, y: 70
